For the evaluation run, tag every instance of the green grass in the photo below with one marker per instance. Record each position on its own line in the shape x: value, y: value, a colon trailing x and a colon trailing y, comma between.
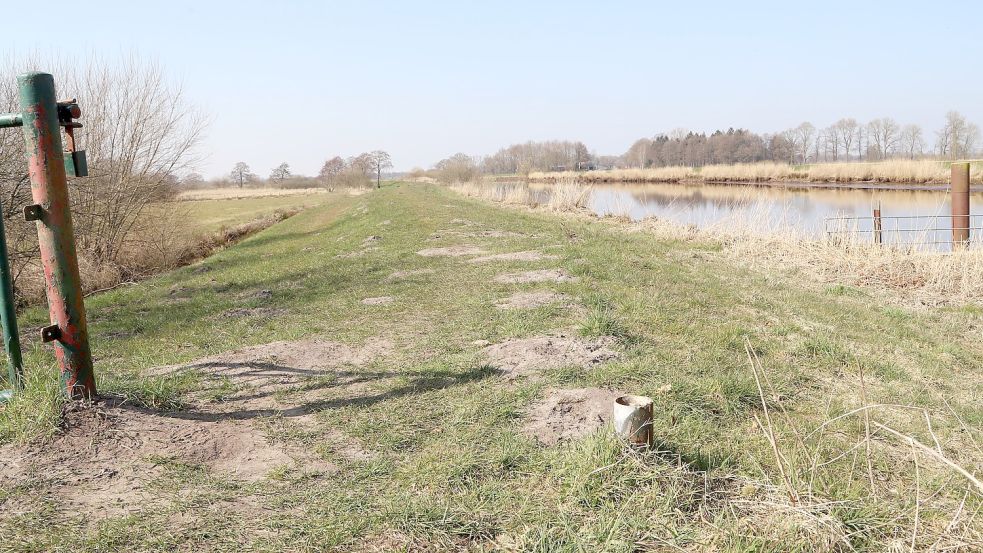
x: 452, y: 471
x: 210, y: 216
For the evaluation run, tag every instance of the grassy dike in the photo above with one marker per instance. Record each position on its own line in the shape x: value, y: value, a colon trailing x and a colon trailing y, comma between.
x: 447, y: 466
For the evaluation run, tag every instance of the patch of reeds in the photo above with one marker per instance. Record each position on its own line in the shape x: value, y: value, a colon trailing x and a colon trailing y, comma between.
x: 902, y: 171
x: 760, y: 239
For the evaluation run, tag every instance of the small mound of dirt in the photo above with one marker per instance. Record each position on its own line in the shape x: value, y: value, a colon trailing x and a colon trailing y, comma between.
x: 451, y: 251
x: 410, y: 273
x: 381, y: 300
x: 530, y: 300
x: 542, y: 275
x: 528, y: 356
x: 514, y: 256
x: 566, y: 414
x: 253, y: 312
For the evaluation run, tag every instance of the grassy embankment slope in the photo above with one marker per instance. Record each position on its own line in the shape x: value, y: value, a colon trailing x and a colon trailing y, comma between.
x: 419, y: 443
x: 899, y: 171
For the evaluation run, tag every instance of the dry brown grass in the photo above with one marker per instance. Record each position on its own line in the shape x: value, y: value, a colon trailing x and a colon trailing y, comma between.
x: 152, y: 250
x: 913, y: 276
x: 892, y: 171
x: 237, y: 193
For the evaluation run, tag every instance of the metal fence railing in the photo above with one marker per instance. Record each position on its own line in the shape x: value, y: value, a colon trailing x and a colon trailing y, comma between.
x: 935, y: 232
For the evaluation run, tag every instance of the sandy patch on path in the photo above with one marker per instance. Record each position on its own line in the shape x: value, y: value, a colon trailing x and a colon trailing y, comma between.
x: 529, y: 356
x: 100, y: 463
x: 530, y: 300
x: 452, y: 251
x: 381, y: 300
x: 542, y: 275
x: 284, y: 364
x: 565, y: 414
x: 514, y: 256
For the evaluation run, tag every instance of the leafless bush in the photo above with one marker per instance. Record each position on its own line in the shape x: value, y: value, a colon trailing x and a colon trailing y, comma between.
x: 457, y: 169
x: 139, y: 134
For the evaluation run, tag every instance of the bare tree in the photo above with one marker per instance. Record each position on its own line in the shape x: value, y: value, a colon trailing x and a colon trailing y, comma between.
x: 457, y: 168
x: 330, y: 170
x: 139, y: 134
x: 957, y: 138
x: 883, y: 135
x: 911, y: 141
x: 378, y: 162
x: 804, y: 135
x: 241, y: 174
x: 829, y: 143
x: 846, y: 131
x: 280, y: 173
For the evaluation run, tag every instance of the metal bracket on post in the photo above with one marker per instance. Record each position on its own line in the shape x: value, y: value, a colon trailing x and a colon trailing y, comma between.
x: 50, y: 333
x: 33, y: 212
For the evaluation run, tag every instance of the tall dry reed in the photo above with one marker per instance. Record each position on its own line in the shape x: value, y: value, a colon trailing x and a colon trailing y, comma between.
x: 901, y: 171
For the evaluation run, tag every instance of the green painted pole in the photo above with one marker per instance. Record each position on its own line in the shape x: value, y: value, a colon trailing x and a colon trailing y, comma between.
x: 8, y: 316
x: 49, y: 187
x: 10, y: 120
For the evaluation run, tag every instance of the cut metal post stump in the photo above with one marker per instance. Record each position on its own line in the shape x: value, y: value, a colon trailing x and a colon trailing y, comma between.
x: 633, y: 419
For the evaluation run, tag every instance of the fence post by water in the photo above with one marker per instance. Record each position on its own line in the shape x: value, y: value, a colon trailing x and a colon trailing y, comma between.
x: 878, y: 228
x: 960, y: 204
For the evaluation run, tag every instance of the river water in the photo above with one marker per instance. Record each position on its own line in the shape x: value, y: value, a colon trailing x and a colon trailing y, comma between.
x: 920, y: 218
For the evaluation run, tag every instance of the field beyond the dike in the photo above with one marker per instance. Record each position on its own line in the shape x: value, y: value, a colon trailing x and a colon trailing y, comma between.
x: 413, y: 370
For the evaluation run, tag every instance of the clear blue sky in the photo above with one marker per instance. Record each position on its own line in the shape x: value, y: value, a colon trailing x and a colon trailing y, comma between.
x: 300, y: 81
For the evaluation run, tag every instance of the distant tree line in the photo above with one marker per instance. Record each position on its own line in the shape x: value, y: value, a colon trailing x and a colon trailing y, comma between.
x: 554, y: 155
x: 353, y: 172
x: 844, y: 140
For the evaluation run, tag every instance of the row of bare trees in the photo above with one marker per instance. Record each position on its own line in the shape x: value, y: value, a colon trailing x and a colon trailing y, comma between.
x: 352, y: 172
x: 355, y: 171
x: 553, y: 155
x: 846, y: 139
x: 139, y: 133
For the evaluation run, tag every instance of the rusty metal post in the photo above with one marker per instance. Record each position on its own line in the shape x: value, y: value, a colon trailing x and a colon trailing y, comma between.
x: 878, y: 230
x: 960, y: 204
x: 49, y: 187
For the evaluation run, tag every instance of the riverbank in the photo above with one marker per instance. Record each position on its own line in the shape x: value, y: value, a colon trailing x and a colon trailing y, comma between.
x: 899, y: 274
x: 895, y: 173
x: 416, y: 370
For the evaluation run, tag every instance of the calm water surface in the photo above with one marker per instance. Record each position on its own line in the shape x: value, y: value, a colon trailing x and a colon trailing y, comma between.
x: 915, y: 217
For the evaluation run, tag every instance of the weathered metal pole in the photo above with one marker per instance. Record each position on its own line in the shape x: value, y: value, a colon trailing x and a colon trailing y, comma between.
x: 8, y: 317
x: 960, y: 204
x: 49, y: 188
x: 878, y: 228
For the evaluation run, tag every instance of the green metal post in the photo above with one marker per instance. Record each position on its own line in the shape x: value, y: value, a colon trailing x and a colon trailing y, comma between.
x: 8, y: 317
x: 49, y: 187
